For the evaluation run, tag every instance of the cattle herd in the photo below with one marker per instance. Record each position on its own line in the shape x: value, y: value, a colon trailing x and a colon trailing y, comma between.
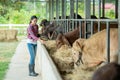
x: 90, y: 52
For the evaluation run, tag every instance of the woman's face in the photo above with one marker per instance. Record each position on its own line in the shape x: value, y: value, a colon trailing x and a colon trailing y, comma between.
x: 34, y: 21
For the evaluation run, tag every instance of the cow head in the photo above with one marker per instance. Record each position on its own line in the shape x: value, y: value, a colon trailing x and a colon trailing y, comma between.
x: 61, y: 40
x: 44, y: 22
x: 77, y: 51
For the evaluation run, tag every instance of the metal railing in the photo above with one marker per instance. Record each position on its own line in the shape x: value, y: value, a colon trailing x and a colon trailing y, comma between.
x: 70, y: 24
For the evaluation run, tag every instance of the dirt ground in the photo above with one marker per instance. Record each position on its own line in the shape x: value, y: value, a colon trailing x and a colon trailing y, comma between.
x: 63, y: 60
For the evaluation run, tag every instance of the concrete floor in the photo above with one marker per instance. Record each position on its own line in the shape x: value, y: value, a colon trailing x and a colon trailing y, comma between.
x: 18, y: 68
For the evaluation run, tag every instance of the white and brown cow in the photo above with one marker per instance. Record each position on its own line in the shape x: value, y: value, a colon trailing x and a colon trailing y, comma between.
x: 93, y: 51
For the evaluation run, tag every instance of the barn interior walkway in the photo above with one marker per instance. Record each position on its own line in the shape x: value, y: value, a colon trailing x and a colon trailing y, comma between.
x: 18, y: 68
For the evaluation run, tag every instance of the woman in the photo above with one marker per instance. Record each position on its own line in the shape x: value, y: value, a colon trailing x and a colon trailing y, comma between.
x: 32, y: 32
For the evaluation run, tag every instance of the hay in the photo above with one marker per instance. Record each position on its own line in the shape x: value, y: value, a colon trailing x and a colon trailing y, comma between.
x: 50, y: 46
x: 80, y: 74
x: 2, y: 35
x: 63, y: 60
x: 8, y: 35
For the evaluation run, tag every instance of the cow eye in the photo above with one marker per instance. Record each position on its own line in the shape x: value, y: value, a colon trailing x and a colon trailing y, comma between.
x: 80, y: 53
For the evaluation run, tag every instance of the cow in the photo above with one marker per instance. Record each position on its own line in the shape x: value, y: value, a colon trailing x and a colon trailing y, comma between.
x: 73, y: 35
x: 92, y: 51
x: 44, y: 23
x: 67, y: 38
x: 110, y: 71
x: 49, y: 29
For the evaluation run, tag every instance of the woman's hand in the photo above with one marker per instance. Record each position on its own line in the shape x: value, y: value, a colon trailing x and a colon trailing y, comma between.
x: 42, y: 41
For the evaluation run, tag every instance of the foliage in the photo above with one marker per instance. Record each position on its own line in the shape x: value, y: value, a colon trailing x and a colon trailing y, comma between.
x: 110, y: 13
x: 3, y: 67
x: 7, y: 50
x: 19, y: 12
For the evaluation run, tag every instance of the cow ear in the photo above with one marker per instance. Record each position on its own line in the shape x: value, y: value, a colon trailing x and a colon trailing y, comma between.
x: 79, y: 43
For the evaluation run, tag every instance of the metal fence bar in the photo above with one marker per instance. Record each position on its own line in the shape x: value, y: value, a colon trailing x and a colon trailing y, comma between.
x: 67, y: 26
x: 99, y: 26
x: 85, y: 35
x: 108, y: 42
x: 91, y: 27
x: 80, y: 29
x: 83, y: 22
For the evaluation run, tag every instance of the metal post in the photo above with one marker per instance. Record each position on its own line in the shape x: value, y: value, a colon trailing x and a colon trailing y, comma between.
x: 76, y: 22
x: 49, y: 9
x: 118, y: 32
x: 103, y: 8
x: 99, y: 26
x: 52, y: 9
x: 63, y: 6
x: 87, y: 16
x: 108, y: 42
x: 63, y: 15
x: 72, y: 12
x: 99, y: 14
x: 91, y: 27
x: 80, y: 28
x: 76, y: 8
x: 71, y: 9
x: 116, y: 8
x: 93, y: 7
x: 57, y: 9
x: 65, y: 9
x: 99, y: 8
x: 46, y: 9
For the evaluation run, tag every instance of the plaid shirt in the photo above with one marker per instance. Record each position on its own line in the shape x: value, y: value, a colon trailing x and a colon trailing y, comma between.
x: 32, y: 32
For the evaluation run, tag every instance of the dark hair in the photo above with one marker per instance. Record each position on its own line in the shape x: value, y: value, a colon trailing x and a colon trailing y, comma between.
x: 32, y: 17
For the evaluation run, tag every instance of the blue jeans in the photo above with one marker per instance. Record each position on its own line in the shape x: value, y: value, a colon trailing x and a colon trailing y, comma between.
x: 32, y: 51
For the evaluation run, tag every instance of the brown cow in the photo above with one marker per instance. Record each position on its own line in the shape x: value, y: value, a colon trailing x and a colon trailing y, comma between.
x: 67, y: 38
x: 71, y: 36
x: 93, y: 50
x: 109, y: 71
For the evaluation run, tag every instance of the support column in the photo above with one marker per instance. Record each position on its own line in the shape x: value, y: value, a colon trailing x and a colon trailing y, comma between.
x: 49, y: 9
x: 103, y: 8
x: 87, y: 16
x: 57, y: 9
x: 99, y: 8
x: 118, y: 32
x: 93, y: 7
x: 71, y: 9
x: 87, y: 9
x: 72, y: 14
x: 76, y: 8
x: 52, y: 9
x: 65, y: 6
x: 63, y: 9
x: 46, y: 9
x: 116, y: 8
